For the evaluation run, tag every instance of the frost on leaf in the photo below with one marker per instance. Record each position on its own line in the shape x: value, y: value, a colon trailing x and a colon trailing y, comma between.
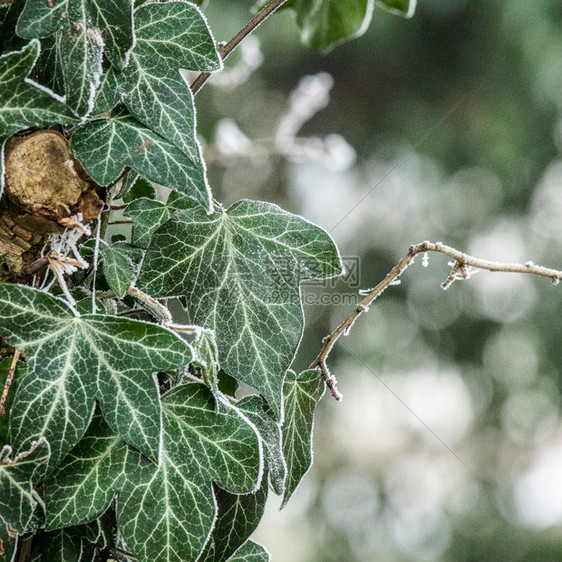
x: 301, y: 395
x: 18, y: 476
x: 106, y: 146
x: 84, y: 31
x: 165, y: 512
x: 73, y: 361
x: 239, y: 271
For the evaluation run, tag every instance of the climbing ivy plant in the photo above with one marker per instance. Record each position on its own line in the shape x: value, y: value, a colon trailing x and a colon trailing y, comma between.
x: 122, y: 435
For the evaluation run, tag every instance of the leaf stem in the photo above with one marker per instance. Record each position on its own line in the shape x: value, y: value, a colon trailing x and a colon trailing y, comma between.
x: 460, y: 270
x: 227, y: 48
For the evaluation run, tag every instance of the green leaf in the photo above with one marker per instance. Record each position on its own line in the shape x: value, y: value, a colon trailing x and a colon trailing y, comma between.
x: 85, y: 30
x: 325, y: 23
x: 238, y: 517
x: 169, y: 36
x: 206, y: 360
x: 49, y: 68
x: 82, y: 487
x: 8, y: 544
x: 107, y: 93
x: 18, y: 476
x: 165, y: 512
x: 106, y: 146
x: 149, y: 215
x: 22, y: 103
x: 140, y: 188
x: 65, y: 545
x: 120, y: 265
x: 239, y: 271
x: 250, y: 552
x: 9, y: 14
x: 404, y: 8
x: 301, y: 394
x: 254, y: 408
x: 74, y: 360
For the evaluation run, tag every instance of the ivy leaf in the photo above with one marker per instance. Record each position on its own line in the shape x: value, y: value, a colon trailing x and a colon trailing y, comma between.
x: 23, y: 103
x: 301, y: 394
x: 149, y: 215
x: 138, y: 189
x: 18, y: 500
x: 106, y: 146
x: 120, y: 265
x: 84, y: 30
x: 65, y: 545
x: 82, y: 487
x: 9, y: 14
x: 250, y: 552
x: 239, y: 271
x: 107, y: 93
x: 405, y: 8
x: 169, y: 36
x: 165, y: 512
x: 254, y: 408
x: 74, y: 360
x: 177, y: 502
x: 325, y: 23
x: 238, y: 517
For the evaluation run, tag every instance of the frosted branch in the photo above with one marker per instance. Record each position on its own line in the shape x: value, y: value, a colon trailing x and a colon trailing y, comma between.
x: 462, y: 267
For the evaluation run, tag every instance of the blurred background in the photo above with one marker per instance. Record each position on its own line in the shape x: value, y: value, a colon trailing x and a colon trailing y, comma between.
x: 448, y: 443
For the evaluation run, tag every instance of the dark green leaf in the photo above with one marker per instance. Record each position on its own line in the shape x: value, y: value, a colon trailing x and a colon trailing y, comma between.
x: 83, y: 486
x: 106, y: 146
x: 9, y: 40
x: 49, y: 67
x: 239, y: 271
x: 205, y: 359
x: 18, y: 476
x: 65, y: 545
x: 22, y: 104
x: 140, y: 188
x: 325, y: 23
x: 107, y: 93
x: 149, y: 215
x: 300, y: 394
x: 74, y: 360
x: 238, y: 517
x: 18, y: 374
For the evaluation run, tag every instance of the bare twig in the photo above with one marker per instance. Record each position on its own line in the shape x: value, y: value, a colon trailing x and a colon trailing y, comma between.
x: 227, y: 48
x: 9, y: 379
x: 461, y: 269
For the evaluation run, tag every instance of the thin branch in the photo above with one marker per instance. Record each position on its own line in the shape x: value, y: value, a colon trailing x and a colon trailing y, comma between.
x: 9, y: 379
x: 461, y: 269
x: 226, y: 49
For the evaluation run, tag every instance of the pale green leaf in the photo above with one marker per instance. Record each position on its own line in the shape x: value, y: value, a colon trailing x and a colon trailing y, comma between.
x: 325, y: 23
x: 73, y: 361
x: 149, y: 215
x: 238, y: 517
x: 239, y: 271
x: 300, y: 394
x: 18, y: 476
x: 106, y: 146
x: 404, y: 8
x: 254, y: 408
x: 250, y: 552
x: 82, y: 487
x: 84, y: 31
x: 22, y: 103
x: 120, y: 265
